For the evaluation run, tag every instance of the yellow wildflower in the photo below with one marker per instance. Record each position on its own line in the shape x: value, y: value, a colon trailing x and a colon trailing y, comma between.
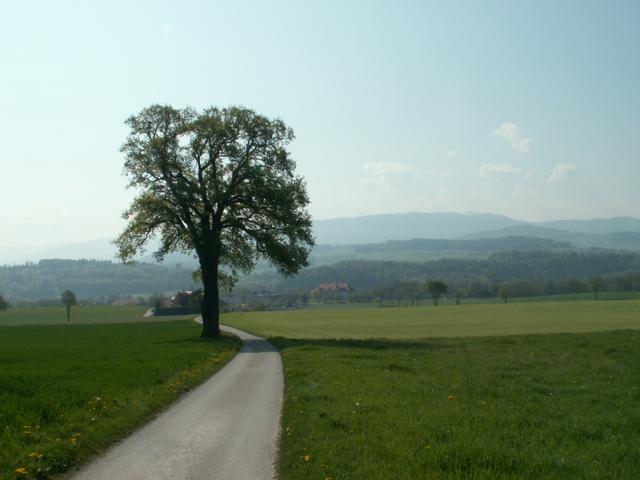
x: 307, y: 458
x: 21, y: 471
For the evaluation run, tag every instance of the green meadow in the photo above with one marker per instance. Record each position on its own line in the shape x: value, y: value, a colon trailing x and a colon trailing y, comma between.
x: 383, y: 393
x: 68, y: 391
x: 443, y: 321
x: 79, y: 315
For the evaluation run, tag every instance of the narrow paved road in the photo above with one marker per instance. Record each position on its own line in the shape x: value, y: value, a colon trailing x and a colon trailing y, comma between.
x: 226, y: 429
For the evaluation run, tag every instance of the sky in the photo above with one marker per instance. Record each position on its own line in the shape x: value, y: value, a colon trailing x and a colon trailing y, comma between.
x: 522, y: 108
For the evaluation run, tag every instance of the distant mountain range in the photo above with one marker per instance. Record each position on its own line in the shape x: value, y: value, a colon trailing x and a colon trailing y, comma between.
x: 618, y: 240
x: 407, y: 226
x: 344, y: 234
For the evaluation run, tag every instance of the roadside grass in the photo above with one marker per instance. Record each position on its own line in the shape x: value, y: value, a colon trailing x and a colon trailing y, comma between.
x: 443, y: 321
x: 564, y: 406
x: 68, y: 391
x: 79, y: 315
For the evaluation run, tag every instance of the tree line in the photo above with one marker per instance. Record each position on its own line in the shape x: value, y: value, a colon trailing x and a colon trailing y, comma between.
x: 415, y: 293
x: 90, y: 279
x: 525, y: 274
x: 550, y: 272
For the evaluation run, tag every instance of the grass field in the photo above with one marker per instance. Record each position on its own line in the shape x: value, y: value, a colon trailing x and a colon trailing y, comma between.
x: 443, y: 321
x: 67, y: 391
x: 517, y: 407
x: 79, y: 315
x: 586, y: 296
x: 485, y: 405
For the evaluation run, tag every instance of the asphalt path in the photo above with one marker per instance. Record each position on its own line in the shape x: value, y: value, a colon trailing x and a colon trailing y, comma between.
x: 225, y: 429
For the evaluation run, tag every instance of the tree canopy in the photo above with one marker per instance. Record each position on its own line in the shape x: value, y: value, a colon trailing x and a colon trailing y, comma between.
x: 219, y: 182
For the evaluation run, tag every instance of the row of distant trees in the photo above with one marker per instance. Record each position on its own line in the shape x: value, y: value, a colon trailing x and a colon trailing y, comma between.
x: 525, y: 288
x: 416, y: 293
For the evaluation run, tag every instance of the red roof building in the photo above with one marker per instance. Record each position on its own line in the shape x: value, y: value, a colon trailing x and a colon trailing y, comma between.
x: 336, y: 287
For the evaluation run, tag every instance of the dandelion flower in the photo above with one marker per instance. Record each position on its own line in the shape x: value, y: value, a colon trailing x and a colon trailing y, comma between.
x: 307, y: 458
x: 21, y: 471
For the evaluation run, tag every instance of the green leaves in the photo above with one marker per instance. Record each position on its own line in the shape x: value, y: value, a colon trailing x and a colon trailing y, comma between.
x: 220, y: 182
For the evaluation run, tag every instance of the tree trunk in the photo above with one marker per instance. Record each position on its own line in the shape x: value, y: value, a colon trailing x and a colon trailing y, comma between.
x: 68, y: 313
x: 211, y: 299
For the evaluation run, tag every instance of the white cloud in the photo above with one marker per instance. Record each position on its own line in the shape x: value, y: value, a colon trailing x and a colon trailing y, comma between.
x: 490, y: 169
x: 511, y: 133
x: 382, y: 174
x: 167, y: 29
x: 561, y: 171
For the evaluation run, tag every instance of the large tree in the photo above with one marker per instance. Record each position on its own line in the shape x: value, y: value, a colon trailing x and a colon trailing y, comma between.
x: 219, y: 183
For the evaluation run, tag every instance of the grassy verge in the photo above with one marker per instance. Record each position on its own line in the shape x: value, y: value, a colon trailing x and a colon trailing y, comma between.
x: 444, y: 320
x: 554, y: 406
x: 67, y: 392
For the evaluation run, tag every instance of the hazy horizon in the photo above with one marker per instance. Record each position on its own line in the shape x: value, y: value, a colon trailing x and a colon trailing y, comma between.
x: 527, y: 110
x: 445, y: 227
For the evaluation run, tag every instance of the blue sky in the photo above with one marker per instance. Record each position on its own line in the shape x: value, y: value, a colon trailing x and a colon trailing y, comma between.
x: 528, y: 109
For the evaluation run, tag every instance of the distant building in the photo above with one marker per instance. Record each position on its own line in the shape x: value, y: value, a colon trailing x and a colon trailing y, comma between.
x: 333, y: 291
x: 333, y: 287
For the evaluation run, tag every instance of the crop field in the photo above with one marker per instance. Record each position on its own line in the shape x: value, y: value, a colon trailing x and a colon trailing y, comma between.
x: 79, y: 315
x: 68, y: 391
x: 485, y: 405
x: 443, y: 321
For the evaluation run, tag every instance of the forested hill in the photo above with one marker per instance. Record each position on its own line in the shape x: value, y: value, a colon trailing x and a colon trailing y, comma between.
x: 94, y: 279
x: 498, y: 267
x: 90, y: 279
